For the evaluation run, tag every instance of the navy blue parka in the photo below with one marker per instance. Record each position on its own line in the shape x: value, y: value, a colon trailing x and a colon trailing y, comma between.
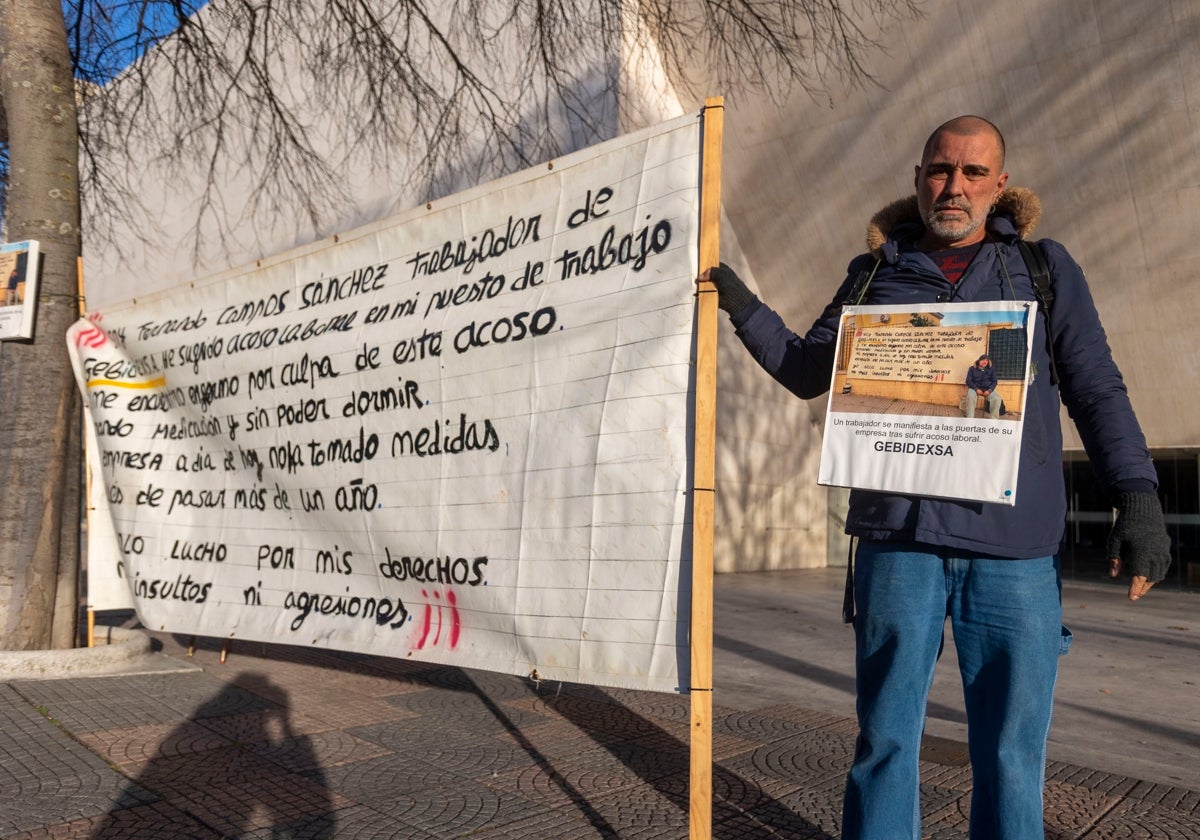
x: 981, y: 378
x: 1090, y: 385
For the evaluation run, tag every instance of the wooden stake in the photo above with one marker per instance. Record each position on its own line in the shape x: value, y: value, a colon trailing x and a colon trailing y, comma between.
x: 704, y: 478
x: 87, y: 483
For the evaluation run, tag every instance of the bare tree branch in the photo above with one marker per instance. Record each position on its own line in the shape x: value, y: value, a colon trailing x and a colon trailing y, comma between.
x: 288, y: 95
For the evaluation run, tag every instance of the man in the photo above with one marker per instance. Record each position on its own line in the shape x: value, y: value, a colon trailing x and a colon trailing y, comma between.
x: 992, y: 569
x: 981, y: 382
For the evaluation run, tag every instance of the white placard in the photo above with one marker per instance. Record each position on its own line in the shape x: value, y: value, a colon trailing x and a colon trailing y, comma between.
x: 898, y: 401
x: 461, y: 435
x: 19, y: 270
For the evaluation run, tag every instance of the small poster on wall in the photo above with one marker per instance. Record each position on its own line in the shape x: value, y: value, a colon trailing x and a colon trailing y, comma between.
x: 930, y: 400
x: 19, y: 268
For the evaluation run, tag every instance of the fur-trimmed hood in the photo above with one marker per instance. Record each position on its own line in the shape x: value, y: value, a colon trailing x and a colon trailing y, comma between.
x: 1018, y: 203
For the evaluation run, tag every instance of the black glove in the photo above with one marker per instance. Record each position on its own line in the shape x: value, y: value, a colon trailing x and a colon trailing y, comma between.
x: 732, y: 294
x: 1139, y: 536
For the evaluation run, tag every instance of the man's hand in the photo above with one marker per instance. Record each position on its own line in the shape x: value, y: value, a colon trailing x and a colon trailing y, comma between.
x: 1139, y: 541
x: 732, y: 294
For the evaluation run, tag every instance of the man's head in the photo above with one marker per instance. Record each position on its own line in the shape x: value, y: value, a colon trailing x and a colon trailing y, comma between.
x: 983, y: 361
x: 959, y: 178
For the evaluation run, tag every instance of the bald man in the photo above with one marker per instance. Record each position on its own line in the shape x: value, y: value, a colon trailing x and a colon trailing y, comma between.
x: 991, y: 569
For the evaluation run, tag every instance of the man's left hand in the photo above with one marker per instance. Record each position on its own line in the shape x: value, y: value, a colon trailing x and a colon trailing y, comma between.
x: 1139, y: 540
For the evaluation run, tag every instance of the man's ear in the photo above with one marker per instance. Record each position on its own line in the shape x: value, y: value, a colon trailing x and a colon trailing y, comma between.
x: 1001, y: 181
x: 917, y: 176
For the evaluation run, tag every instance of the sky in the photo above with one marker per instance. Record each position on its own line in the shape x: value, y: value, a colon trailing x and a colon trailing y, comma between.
x: 107, y: 35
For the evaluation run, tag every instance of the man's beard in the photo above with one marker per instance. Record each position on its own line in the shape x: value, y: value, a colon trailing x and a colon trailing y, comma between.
x: 951, y: 229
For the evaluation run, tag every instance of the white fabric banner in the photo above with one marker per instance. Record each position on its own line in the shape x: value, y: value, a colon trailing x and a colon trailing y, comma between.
x: 460, y: 435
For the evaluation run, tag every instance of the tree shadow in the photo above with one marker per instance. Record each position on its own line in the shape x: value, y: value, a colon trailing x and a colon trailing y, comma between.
x: 741, y: 806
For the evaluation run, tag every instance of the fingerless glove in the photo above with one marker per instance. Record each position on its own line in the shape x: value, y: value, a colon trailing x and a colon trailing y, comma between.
x: 732, y: 294
x: 1139, y: 536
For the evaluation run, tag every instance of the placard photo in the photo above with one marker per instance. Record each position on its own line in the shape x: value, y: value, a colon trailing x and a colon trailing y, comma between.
x: 929, y: 399
x: 19, y: 268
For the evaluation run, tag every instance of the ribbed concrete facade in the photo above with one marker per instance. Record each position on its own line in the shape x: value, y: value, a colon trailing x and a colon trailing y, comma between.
x: 1100, y: 104
x: 1099, y: 101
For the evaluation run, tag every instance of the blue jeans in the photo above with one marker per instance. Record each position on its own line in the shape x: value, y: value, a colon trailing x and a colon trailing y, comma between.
x: 1007, y: 621
x: 992, y: 400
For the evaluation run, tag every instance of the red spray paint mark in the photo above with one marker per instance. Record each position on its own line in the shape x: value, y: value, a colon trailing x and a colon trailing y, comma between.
x: 455, y: 623
x: 91, y: 337
x: 425, y: 623
x: 455, y: 629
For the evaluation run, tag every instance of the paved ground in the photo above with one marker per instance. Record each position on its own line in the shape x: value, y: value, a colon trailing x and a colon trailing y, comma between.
x: 288, y: 742
x: 860, y: 404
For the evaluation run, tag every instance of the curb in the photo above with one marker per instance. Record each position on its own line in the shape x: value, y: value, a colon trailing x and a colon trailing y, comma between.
x: 117, y: 650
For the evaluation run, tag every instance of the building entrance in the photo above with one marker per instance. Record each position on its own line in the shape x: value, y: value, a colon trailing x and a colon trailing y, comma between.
x: 1089, y: 518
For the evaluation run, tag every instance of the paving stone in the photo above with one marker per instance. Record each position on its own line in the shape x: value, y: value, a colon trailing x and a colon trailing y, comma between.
x: 564, y: 822
x: 1134, y: 819
x: 358, y: 822
x: 810, y: 811
x: 944, y: 751
x: 1071, y: 811
x: 730, y: 792
x: 562, y: 782
x: 459, y: 810
x: 157, y: 821
x: 233, y: 791
x: 378, y: 781
x: 1090, y: 779
x: 344, y: 711
x: 756, y: 726
x: 809, y: 758
x: 429, y: 745
x: 86, y: 714
x: 263, y: 725
x: 462, y: 711
x: 642, y: 812
x: 1178, y: 799
x: 945, y: 801
x: 655, y: 705
x: 310, y: 743
x: 813, y: 719
x: 549, y: 741
x: 48, y: 777
x: 956, y: 778
x: 140, y: 744
x: 306, y: 753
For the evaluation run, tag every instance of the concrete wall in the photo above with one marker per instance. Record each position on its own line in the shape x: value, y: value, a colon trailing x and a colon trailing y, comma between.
x: 1100, y: 104
x: 1099, y: 101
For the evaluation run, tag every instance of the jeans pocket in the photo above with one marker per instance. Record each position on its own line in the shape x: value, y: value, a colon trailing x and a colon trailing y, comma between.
x: 1064, y: 640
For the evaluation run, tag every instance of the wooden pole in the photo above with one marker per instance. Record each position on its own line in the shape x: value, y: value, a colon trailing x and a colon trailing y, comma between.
x: 700, y: 803
x: 87, y: 479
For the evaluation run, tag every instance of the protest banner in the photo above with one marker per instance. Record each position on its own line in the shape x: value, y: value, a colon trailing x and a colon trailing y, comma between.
x: 460, y: 435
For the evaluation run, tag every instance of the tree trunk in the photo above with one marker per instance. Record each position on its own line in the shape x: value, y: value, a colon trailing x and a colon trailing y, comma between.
x: 39, y: 403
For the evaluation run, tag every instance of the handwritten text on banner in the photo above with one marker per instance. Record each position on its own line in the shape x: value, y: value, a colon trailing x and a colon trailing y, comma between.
x: 459, y: 435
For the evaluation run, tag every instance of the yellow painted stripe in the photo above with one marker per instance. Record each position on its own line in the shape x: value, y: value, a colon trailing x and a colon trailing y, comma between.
x: 115, y: 383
